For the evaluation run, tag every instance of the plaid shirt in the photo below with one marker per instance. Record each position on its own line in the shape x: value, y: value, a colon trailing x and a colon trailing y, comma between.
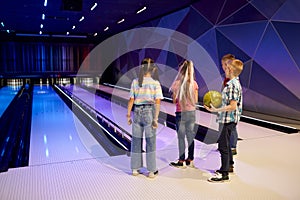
x: 231, y: 91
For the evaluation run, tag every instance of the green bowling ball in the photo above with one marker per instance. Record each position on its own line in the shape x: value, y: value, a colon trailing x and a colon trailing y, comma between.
x: 212, y: 97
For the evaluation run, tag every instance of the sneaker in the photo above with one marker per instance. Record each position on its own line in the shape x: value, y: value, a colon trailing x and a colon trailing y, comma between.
x: 189, y: 163
x: 178, y: 164
x: 218, y: 177
x: 233, y: 150
x: 135, y: 172
x: 230, y: 169
x: 153, y: 174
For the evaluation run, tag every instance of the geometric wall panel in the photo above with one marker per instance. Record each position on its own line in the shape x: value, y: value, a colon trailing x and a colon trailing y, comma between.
x: 264, y: 83
x: 264, y: 34
x: 290, y: 33
x: 209, y: 43
x: 274, y: 57
x: 259, y: 105
x: 245, y: 76
x: 225, y: 46
x: 242, y: 16
x: 194, y: 24
x: 172, y: 21
x: 271, y: 9
x: 247, y: 37
x: 289, y: 11
x: 229, y: 8
x: 202, y: 6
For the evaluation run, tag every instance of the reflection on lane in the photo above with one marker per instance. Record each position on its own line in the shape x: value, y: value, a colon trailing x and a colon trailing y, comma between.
x: 56, y: 135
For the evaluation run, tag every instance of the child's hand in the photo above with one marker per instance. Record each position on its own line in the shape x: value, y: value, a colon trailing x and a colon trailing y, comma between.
x: 129, y: 121
x: 211, y: 108
x: 154, y: 124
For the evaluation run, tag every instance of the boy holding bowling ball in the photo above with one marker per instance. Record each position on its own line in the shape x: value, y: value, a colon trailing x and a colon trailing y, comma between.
x: 228, y: 116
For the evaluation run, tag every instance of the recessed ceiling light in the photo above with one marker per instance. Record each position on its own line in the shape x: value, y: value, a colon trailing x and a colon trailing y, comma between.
x: 41, y: 32
x: 73, y: 27
x: 106, y: 28
x: 94, y: 6
x: 2, y: 24
x: 45, y: 3
x: 82, y: 18
x: 70, y: 36
x: 95, y: 34
x: 68, y: 33
x: 122, y: 20
x: 41, y: 25
x: 43, y: 16
x: 7, y: 31
x: 141, y: 10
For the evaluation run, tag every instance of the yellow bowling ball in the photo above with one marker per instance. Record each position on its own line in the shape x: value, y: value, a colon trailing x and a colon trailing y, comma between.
x: 212, y: 97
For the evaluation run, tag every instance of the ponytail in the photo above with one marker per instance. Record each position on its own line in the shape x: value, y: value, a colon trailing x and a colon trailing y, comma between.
x: 186, y: 78
x: 147, y: 65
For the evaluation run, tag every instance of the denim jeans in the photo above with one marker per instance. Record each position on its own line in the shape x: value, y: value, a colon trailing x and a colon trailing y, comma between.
x: 142, y: 122
x: 224, y: 146
x: 233, y: 138
x: 185, y: 123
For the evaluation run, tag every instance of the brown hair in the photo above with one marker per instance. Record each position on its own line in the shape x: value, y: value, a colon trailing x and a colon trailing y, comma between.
x: 148, y: 66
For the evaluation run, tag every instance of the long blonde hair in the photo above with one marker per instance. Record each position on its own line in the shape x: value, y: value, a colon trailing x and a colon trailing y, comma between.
x: 186, y: 78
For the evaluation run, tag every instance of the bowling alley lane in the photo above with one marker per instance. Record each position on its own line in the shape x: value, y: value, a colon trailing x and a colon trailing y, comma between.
x: 56, y: 134
x: 245, y: 130
x: 7, y: 94
x: 166, y: 137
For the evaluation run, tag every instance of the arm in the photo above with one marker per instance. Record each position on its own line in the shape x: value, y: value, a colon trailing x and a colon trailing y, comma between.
x: 196, y: 96
x: 174, y: 97
x: 156, y: 114
x: 231, y: 107
x: 129, y: 107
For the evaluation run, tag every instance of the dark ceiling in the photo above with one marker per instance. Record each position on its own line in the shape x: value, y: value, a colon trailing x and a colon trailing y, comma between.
x: 21, y: 18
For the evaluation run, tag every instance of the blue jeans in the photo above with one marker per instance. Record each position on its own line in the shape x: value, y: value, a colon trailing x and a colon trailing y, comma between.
x: 185, y: 123
x: 233, y: 138
x: 142, y: 122
x: 224, y: 146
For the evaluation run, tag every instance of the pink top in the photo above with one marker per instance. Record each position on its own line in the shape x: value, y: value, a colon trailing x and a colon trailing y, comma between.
x: 189, y: 106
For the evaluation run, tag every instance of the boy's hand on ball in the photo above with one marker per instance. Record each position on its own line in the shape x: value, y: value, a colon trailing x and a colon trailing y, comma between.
x: 212, y: 108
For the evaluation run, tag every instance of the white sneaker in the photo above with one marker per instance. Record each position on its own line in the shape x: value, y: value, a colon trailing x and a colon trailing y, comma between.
x: 153, y: 174
x: 135, y: 172
x: 178, y: 164
x: 218, y: 177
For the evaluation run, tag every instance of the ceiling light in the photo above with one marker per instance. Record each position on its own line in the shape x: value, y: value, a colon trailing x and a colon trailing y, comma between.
x: 94, y: 6
x: 7, y: 31
x: 2, y: 24
x: 41, y: 25
x: 43, y: 16
x: 141, y: 10
x: 82, y: 18
x: 106, y: 28
x: 41, y: 32
x: 70, y: 36
x: 73, y: 27
x: 95, y: 34
x: 122, y: 20
x: 30, y: 35
x: 68, y: 33
x: 45, y: 3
